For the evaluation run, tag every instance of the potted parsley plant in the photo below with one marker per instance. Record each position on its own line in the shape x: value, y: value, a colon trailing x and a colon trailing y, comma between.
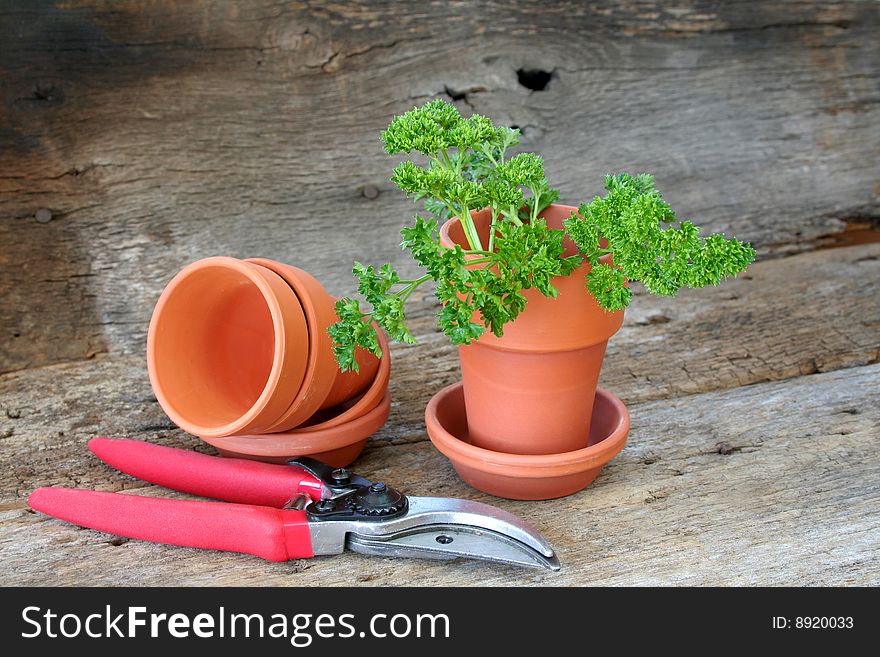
x: 530, y: 290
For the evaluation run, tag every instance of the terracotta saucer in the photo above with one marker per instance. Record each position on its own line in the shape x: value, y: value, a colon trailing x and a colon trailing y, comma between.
x: 337, y: 446
x: 525, y: 476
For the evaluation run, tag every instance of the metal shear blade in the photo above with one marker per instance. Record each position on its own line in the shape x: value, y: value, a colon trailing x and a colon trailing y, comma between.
x: 441, y: 528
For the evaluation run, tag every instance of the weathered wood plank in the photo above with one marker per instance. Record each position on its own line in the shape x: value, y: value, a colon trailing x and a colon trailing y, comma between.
x: 157, y: 134
x: 774, y: 483
x: 754, y: 329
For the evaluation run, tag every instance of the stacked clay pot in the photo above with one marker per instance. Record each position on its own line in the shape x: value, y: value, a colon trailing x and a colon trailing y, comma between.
x: 238, y: 354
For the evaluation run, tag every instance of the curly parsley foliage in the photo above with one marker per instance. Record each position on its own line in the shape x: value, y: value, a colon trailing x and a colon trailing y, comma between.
x: 350, y: 332
x: 631, y: 218
x: 480, y: 287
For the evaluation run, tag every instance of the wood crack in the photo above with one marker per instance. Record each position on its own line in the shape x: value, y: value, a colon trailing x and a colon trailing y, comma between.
x: 334, y: 61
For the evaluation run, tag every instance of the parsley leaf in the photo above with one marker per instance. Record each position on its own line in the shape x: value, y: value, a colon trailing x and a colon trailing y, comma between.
x: 631, y: 217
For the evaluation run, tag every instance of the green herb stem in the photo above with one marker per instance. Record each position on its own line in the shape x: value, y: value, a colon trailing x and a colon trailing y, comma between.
x: 405, y: 293
x: 480, y: 261
x: 536, y: 196
x: 470, y: 230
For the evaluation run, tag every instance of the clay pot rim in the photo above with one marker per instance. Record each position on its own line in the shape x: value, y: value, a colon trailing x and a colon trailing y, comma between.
x: 368, y: 400
x: 528, y: 466
x: 322, y: 440
x: 446, y: 241
x: 513, y: 339
x: 299, y: 410
x: 278, y: 355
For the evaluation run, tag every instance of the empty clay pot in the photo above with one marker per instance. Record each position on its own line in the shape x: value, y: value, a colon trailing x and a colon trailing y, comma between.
x: 354, y: 408
x: 531, y: 391
x: 227, y: 348
x: 324, y: 386
x: 524, y: 476
x: 241, y: 347
x: 348, y: 385
x: 337, y: 446
x: 335, y: 435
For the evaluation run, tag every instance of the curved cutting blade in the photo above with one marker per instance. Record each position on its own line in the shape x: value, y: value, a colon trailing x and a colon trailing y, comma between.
x: 442, y: 528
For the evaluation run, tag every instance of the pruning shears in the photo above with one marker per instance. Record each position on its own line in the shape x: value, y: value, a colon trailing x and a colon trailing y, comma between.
x: 279, y: 512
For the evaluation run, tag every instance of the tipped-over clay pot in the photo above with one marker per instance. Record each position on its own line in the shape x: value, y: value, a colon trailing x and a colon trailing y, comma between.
x: 531, y: 391
x: 525, y: 476
x: 324, y: 386
x: 357, y: 406
x: 227, y: 348
x: 241, y: 347
x: 337, y: 445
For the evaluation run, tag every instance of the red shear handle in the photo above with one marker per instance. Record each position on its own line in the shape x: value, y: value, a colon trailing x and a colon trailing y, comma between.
x: 269, y: 533
x: 234, y: 480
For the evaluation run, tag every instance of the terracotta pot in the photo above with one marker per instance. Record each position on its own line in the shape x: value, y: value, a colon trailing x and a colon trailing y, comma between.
x: 227, y: 347
x: 242, y: 347
x: 524, y: 476
x: 337, y: 445
x: 354, y: 408
x: 325, y: 386
x: 531, y: 391
x: 348, y: 385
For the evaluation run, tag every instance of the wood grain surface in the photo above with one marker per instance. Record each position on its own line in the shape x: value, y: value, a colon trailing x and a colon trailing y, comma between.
x: 773, y: 484
x: 137, y: 137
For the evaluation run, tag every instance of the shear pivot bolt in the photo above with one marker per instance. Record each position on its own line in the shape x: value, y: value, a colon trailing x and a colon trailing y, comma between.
x: 377, y: 499
x: 325, y: 505
x: 340, y: 476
